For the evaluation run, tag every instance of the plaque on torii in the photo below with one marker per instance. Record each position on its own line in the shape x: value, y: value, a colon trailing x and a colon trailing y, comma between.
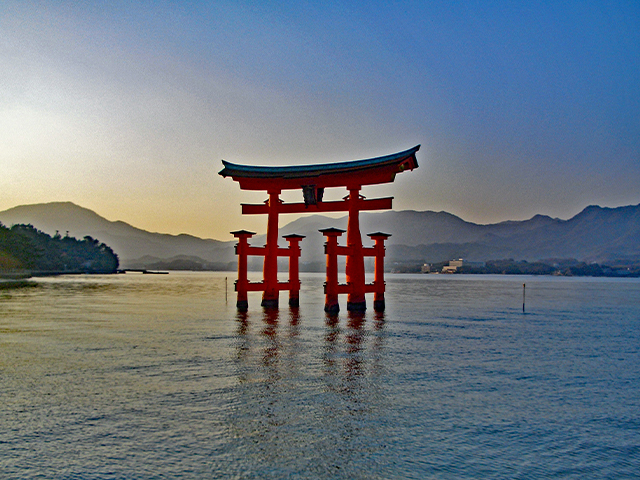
x: 312, y: 180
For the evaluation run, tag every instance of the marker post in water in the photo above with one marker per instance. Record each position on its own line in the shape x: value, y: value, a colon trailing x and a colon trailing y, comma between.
x: 524, y: 286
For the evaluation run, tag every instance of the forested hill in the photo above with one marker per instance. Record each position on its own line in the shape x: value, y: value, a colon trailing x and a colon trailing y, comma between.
x: 25, y: 247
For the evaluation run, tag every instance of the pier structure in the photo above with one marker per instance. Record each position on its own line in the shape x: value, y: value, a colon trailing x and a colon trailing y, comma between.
x: 312, y: 180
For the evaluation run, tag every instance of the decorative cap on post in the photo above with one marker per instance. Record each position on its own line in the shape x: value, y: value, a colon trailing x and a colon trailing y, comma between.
x: 380, y: 235
x: 294, y: 236
x: 331, y: 232
x: 242, y: 233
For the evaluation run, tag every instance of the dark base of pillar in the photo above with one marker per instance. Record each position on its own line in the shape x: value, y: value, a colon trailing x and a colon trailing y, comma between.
x: 270, y: 303
x: 294, y: 302
x: 356, y: 306
x: 378, y: 305
x: 335, y: 308
x: 242, y: 305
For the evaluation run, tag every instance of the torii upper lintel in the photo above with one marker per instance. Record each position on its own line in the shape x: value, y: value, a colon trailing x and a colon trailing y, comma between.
x: 371, y: 171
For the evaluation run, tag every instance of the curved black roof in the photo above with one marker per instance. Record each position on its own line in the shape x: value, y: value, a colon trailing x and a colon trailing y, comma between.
x: 297, y: 171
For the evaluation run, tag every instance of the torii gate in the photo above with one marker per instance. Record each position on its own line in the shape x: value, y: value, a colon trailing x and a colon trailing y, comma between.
x: 312, y: 180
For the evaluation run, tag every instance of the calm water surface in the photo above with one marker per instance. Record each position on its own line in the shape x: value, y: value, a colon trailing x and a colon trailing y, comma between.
x: 157, y: 376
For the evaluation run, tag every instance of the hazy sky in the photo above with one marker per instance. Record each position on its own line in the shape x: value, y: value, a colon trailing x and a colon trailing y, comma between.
x: 127, y: 108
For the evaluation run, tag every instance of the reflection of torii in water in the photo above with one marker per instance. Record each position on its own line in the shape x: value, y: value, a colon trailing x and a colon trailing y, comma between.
x: 312, y: 180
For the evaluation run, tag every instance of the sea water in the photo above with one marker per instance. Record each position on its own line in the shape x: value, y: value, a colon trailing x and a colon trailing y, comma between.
x: 158, y: 376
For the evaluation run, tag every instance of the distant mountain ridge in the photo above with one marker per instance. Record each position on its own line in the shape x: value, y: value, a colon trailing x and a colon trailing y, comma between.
x: 130, y: 243
x: 596, y: 234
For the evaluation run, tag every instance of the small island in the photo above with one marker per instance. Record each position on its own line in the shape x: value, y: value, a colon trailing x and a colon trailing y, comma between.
x: 26, y: 251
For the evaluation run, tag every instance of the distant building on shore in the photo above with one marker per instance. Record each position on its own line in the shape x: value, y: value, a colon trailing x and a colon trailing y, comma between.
x: 454, y: 265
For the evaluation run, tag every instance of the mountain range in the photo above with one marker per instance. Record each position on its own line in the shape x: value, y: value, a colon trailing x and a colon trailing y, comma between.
x: 135, y: 247
x: 597, y: 234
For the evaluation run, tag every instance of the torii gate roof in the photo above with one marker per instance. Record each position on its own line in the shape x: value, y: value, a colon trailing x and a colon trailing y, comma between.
x: 353, y: 173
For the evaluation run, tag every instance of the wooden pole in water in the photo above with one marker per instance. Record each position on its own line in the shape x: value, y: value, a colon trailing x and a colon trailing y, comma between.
x: 225, y: 290
x: 523, y: 295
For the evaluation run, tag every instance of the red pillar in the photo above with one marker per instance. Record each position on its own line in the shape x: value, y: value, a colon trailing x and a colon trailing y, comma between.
x: 331, y: 285
x: 270, y: 269
x: 355, y: 258
x: 378, y: 278
x: 294, y: 268
x: 243, y: 280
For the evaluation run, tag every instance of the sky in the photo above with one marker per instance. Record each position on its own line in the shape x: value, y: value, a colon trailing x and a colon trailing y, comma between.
x: 128, y: 108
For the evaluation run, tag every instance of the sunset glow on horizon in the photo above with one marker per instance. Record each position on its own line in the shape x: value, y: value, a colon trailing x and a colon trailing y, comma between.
x: 128, y: 109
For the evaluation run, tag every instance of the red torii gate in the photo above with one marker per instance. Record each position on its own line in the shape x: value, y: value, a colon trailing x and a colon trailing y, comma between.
x: 312, y: 180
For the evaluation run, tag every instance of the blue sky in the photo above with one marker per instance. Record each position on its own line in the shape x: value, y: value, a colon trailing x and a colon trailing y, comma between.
x: 127, y: 108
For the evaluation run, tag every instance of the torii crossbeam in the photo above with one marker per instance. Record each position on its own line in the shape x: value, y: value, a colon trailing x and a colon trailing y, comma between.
x: 312, y: 180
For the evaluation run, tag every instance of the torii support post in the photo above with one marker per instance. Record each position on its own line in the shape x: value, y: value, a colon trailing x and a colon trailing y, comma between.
x: 294, y: 275
x: 270, y: 268
x: 355, y: 259
x: 331, y: 304
x: 242, y: 284
x: 378, y: 278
